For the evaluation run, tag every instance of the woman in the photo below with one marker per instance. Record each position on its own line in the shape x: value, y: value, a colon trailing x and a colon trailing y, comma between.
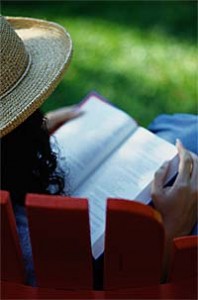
x: 35, y: 54
x: 28, y: 162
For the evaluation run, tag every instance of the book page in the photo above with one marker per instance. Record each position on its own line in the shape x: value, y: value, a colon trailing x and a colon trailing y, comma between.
x: 88, y: 139
x: 127, y: 174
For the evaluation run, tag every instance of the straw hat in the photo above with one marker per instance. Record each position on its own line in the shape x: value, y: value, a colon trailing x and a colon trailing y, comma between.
x: 34, y: 56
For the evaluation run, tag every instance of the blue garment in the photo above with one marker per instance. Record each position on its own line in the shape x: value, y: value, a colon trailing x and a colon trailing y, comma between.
x: 182, y: 126
x: 23, y: 231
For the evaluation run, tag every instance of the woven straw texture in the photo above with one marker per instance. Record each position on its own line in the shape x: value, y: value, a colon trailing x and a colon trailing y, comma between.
x: 30, y: 67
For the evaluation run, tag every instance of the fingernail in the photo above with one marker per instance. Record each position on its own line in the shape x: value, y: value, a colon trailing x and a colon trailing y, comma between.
x: 165, y: 164
x: 76, y: 109
x: 178, y: 142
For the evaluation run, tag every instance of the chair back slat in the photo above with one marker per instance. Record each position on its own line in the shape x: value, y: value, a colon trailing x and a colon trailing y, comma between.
x: 12, y: 267
x: 60, y: 237
x: 179, y: 290
x: 134, y: 245
x: 184, y: 258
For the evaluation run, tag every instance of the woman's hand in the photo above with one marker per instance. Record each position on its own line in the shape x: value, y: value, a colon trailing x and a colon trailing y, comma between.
x: 178, y: 203
x: 59, y: 116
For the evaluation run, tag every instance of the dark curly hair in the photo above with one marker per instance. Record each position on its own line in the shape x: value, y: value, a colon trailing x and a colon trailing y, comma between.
x: 28, y: 163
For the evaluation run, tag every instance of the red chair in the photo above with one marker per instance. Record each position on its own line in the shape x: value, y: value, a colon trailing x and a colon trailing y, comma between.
x: 12, y: 268
x: 60, y: 236
x: 134, y: 245
x: 184, y: 259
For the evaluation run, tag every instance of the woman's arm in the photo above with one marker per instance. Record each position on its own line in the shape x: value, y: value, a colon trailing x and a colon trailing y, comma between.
x: 178, y: 203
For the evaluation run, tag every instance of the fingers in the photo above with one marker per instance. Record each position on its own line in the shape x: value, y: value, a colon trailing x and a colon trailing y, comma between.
x: 159, y: 179
x: 59, y: 116
x: 185, y: 164
x: 194, y: 171
x: 64, y: 114
x: 71, y: 114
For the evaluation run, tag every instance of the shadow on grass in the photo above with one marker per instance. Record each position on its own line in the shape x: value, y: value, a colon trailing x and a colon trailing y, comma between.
x: 142, y: 97
x: 177, y: 18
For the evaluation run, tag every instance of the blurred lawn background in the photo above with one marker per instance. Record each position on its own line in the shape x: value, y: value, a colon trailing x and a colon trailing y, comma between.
x: 139, y: 55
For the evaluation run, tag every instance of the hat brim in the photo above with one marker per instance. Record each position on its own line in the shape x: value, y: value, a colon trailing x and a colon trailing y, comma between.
x: 50, y: 49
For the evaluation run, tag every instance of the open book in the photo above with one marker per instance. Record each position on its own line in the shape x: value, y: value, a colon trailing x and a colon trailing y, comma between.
x: 109, y: 155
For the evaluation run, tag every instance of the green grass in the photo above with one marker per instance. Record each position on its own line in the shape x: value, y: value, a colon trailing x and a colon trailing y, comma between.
x: 139, y: 55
